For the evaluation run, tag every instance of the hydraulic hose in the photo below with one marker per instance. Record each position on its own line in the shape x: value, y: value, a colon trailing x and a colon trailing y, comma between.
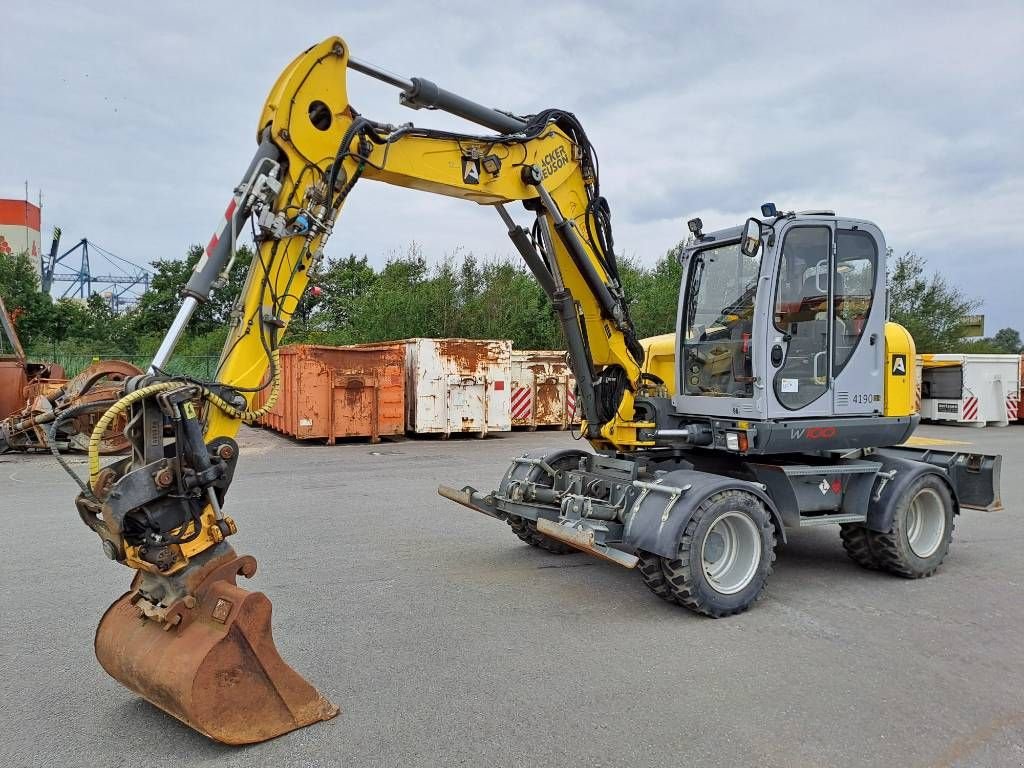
x: 121, y: 407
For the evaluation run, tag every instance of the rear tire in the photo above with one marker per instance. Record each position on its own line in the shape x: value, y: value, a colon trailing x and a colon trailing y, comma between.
x: 857, y: 543
x: 922, y: 527
x: 652, y: 571
x: 725, y: 555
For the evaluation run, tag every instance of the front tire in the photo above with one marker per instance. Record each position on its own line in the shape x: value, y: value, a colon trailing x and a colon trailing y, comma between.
x: 922, y: 527
x: 525, y: 528
x: 527, y: 531
x: 725, y: 555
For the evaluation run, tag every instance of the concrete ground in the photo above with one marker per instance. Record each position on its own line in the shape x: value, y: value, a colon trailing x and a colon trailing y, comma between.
x: 446, y: 641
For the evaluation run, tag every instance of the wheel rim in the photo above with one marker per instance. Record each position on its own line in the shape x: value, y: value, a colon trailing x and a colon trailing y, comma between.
x: 926, y: 523
x: 731, y: 552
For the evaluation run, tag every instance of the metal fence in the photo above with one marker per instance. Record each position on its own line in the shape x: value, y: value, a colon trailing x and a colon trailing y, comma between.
x: 198, y: 366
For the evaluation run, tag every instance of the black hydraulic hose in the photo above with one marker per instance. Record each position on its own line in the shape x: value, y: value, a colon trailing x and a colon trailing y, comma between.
x: 51, y: 438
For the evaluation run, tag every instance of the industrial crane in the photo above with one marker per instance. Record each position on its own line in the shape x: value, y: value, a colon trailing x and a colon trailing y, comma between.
x: 763, y: 411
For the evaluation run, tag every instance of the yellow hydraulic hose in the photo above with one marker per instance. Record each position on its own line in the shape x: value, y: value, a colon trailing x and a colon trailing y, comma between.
x: 117, y: 409
x: 122, y: 405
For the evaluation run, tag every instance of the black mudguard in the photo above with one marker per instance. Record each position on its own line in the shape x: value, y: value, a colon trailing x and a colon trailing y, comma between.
x: 658, y: 518
x: 882, y: 504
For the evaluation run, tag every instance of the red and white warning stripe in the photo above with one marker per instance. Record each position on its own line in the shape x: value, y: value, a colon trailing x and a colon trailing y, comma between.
x: 1012, y: 407
x: 522, y: 403
x: 970, y: 409
x: 570, y: 405
x: 222, y: 226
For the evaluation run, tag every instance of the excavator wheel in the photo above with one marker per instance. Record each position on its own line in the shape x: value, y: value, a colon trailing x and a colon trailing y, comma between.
x: 725, y: 555
x: 857, y: 543
x: 524, y: 528
x: 922, y: 527
x: 527, y: 531
x: 652, y: 571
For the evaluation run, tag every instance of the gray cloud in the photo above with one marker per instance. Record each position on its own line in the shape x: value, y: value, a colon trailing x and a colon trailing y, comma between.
x: 137, y: 119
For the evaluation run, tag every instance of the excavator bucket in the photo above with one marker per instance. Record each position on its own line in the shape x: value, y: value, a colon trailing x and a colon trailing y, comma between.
x: 209, y: 660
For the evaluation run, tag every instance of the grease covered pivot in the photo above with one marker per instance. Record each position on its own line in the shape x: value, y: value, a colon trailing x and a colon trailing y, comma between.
x: 213, y: 665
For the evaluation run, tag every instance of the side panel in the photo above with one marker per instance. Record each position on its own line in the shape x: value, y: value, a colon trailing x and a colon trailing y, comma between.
x: 901, y: 372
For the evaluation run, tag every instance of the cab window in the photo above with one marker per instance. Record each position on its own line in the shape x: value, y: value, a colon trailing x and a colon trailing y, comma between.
x: 854, y: 291
x: 801, y: 315
x: 718, y: 319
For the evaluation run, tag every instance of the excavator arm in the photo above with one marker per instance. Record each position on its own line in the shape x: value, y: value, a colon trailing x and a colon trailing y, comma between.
x: 185, y: 627
x: 317, y: 147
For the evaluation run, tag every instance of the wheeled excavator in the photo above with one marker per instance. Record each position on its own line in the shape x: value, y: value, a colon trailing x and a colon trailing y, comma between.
x: 769, y: 409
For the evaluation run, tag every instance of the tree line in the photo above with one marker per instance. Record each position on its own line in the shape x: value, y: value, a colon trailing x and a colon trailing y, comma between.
x: 458, y: 296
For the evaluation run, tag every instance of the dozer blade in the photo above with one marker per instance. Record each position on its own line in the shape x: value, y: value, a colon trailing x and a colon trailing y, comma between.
x: 213, y: 665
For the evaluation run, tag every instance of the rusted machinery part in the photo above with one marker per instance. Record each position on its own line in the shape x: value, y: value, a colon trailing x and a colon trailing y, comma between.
x: 209, y: 657
x: 98, y: 384
x: 102, y: 372
x: 101, y: 381
x: 81, y: 426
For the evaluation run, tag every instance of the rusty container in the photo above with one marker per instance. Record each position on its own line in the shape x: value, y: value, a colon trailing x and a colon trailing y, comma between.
x: 13, y: 382
x: 458, y: 385
x: 339, y: 392
x: 543, y: 389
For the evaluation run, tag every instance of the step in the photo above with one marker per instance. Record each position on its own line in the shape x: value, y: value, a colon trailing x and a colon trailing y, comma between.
x: 809, y: 522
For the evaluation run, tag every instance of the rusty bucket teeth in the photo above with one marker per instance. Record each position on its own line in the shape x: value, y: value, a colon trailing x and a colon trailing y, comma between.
x: 209, y: 659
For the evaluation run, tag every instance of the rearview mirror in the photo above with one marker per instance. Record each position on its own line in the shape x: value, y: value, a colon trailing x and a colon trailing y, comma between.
x: 751, y: 242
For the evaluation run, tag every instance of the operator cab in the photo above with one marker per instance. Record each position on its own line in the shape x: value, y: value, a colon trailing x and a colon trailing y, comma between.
x: 783, y: 318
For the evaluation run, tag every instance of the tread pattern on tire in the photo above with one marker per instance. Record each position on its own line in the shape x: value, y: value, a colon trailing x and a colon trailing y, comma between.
x: 527, y: 531
x: 652, y: 571
x: 679, y: 571
x: 887, y: 547
x: 857, y: 543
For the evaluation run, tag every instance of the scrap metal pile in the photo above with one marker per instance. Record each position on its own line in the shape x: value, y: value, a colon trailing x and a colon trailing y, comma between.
x: 42, y: 410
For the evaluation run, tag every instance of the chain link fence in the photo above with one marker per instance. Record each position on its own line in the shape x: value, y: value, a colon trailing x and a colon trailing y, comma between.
x: 197, y: 366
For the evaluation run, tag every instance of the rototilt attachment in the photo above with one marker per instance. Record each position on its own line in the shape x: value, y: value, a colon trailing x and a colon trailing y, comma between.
x: 209, y: 658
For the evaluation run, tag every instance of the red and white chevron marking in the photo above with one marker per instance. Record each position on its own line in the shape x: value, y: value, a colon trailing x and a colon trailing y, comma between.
x: 522, y: 403
x: 970, y: 409
x: 1012, y: 407
x: 570, y: 406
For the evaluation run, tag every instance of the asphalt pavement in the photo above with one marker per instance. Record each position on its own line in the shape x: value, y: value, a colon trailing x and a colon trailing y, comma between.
x: 446, y: 641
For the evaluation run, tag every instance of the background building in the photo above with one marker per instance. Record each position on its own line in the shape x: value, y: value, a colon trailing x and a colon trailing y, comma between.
x: 19, y: 229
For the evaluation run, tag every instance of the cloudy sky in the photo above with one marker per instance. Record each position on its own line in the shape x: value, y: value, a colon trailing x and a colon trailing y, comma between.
x: 137, y: 119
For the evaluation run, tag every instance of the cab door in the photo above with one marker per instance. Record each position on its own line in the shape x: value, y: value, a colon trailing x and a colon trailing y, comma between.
x: 799, y: 338
x: 858, y: 320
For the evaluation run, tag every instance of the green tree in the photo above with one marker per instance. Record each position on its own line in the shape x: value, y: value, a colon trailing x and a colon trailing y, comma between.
x: 19, y: 287
x: 1006, y: 342
x: 926, y: 305
x: 155, y: 310
x: 341, y: 282
x: 653, y: 293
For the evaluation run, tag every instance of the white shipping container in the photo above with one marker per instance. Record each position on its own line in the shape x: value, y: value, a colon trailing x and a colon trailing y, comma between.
x: 975, y: 389
x: 543, y: 389
x: 458, y: 385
